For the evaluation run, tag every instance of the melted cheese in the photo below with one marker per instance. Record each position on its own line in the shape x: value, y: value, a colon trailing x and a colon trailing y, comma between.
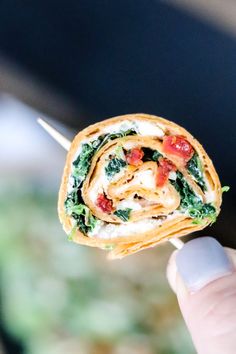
x: 210, y: 196
x: 98, y: 187
x: 145, y: 179
x: 108, y: 231
x: 144, y: 128
x: 129, y: 203
x: 149, y: 129
x: 172, y: 175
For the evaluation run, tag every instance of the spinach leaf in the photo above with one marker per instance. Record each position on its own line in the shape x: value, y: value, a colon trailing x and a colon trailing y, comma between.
x: 73, y: 198
x: 74, y: 204
x: 123, y: 214
x: 194, y: 167
x: 188, y: 197
x: 201, y: 211
x: 151, y: 155
x: 225, y: 189
x: 83, y: 216
x: 114, y: 166
x: 82, y: 164
x: 119, y: 152
x: 83, y: 161
x: 190, y: 202
x: 156, y: 155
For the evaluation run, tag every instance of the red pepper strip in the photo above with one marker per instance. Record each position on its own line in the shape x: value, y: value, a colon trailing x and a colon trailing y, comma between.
x: 179, y: 146
x: 104, y: 204
x: 134, y: 157
x: 164, y: 168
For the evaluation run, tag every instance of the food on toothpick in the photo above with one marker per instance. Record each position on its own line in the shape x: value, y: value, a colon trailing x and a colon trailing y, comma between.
x: 133, y: 181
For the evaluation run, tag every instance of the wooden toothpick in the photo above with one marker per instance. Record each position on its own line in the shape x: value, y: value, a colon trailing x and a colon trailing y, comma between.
x: 176, y: 242
x: 65, y: 143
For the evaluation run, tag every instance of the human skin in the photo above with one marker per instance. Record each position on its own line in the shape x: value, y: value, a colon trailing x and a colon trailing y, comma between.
x: 207, y: 297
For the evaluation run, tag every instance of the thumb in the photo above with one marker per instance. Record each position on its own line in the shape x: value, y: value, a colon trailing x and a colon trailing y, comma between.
x: 203, y: 276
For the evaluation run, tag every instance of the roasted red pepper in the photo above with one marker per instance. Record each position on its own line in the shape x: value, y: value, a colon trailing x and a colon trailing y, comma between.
x: 164, y: 168
x: 104, y: 204
x: 134, y: 157
x: 179, y: 146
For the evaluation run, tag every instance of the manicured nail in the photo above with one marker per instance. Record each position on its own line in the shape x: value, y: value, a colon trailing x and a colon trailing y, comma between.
x: 201, y: 261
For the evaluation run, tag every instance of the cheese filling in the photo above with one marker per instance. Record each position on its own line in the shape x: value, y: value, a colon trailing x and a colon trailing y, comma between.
x: 141, y: 180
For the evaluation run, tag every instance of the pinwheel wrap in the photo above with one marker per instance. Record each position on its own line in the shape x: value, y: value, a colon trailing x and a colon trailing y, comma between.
x: 134, y: 181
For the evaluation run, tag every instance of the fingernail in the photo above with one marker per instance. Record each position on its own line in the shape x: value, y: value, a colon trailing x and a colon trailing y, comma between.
x: 201, y: 261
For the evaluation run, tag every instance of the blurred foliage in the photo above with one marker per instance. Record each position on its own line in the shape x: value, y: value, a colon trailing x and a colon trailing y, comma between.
x: 58, y: 297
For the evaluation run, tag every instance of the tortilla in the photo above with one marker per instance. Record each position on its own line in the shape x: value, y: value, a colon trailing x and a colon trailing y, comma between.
x: 107, y: 202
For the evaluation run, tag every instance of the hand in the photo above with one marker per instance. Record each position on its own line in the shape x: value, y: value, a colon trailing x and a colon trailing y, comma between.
x: 203, y: 276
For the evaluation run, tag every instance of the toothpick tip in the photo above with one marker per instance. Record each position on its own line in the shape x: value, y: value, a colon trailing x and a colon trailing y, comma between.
x: 176, y: 242
x: 65, y: 143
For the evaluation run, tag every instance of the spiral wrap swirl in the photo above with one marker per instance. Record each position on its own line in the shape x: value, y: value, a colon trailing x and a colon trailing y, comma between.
x: 133, y: 181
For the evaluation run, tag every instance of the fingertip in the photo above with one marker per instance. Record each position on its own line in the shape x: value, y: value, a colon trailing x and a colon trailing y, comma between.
x: 208, y: 309
x: 171, y: 271
x: 201, y: 261
x: 232, y: 255
x: 174, y: 279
